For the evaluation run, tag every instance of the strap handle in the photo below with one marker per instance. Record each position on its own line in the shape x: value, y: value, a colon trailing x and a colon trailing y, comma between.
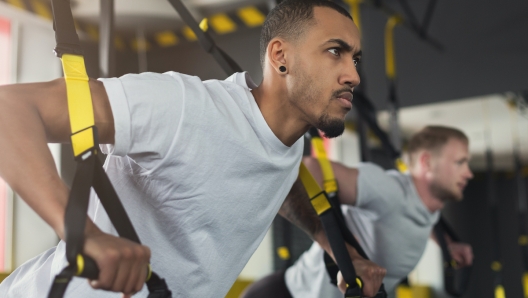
x: 337, y: 218
x: 89, y: 171
x: 319, y: 201
x: 456, y: 279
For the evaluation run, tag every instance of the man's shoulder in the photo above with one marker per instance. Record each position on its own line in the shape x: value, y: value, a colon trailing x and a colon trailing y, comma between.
x: 169, y: 76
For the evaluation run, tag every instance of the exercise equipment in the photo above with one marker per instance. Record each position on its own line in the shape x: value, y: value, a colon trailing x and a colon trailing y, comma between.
x: 456, y: 278
x: 90, y: 172
x: 496, y: 263
x: 326, y: 203
x: 520, y: 193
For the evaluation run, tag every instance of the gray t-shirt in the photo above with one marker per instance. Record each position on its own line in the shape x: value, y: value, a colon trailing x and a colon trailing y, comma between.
x: 391, y: 224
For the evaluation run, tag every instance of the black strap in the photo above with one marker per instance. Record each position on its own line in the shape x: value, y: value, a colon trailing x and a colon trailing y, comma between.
x: 227, y: 63
x: 491, y: 193
x: 368, y: 113
x: 456, y: 279
x: 65, y: 34
x: 89, y: 173
x: 338, y: 235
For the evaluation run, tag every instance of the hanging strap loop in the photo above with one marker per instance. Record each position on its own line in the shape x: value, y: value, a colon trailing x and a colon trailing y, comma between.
x: 89, y: 173
x: 327, y: 206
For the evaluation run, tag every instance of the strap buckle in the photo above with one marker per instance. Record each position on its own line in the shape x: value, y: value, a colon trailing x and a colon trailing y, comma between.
x: 67, y: 48
x: 85, y: 143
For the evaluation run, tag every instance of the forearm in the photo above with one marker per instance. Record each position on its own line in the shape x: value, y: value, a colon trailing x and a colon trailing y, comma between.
x: 26, y: 163
x: 298, y: 210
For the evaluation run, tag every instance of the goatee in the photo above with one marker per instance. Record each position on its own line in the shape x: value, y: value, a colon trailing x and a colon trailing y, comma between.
x: 331, y: 128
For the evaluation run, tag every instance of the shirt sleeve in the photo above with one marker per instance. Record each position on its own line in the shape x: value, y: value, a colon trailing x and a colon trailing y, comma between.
x: 147, y: 109
x: 377, y: 191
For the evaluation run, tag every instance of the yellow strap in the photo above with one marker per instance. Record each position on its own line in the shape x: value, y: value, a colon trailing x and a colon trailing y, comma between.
x: 80, y: 106
x: 356, y: 15
x: 317, y: 195
x: 525, y: 284
x: 499, y: 292
x: 401, y: 166
x: 403, y: 291
x: 318, y: 146
x: 390, y: 61
x: 329, y: 181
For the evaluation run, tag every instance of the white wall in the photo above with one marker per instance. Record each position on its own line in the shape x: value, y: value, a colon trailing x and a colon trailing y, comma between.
x: 429, y: 270
x: 261, y: 263
x: 33, y: 61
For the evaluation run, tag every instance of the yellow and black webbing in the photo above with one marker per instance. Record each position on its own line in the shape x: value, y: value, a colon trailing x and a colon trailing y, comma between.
x: 89, y: 173
x: 327, y: 206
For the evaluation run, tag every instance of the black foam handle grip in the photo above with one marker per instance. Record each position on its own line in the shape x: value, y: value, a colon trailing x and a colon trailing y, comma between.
x: 90, y: 269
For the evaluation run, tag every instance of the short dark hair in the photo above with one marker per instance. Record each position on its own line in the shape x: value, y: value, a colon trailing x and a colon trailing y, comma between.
x: 433, y: 138
x: 289, y: 19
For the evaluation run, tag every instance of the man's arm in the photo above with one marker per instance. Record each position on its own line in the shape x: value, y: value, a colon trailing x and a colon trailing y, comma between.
x: 31, y: 115
x: 461, y: 252
x: 298, y: 210
x: 346, y: 179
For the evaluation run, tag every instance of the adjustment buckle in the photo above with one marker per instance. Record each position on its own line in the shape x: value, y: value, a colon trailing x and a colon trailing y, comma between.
x: 85, y: 143
x: 67, y: 48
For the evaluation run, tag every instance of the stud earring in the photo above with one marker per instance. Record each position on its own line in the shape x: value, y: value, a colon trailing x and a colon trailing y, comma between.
x: 282, y: 68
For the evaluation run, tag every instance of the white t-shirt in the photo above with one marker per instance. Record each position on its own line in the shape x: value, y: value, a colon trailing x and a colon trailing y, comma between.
x: 201, y: 176
x: 391, y: 224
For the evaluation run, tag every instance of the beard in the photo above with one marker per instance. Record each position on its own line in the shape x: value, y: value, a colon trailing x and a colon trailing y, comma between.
x: 444, y: 194
x: 331, y: 128
x: 307, y: 90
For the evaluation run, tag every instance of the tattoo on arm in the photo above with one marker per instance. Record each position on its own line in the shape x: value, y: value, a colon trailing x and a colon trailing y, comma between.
x: 298, y: 210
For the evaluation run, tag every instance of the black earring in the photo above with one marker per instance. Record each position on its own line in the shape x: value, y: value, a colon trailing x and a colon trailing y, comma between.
x: 282, y: 68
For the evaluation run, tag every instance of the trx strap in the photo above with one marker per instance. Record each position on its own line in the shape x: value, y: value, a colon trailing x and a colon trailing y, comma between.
x: 326, y: 204
x: 390, y: 71
x: 491, y: 197
x: 496, y: 264
x: 523, y: 233
x: 227, y: 63
x: 90, y: 172
x: 520, y: 187
x: 456, y: 279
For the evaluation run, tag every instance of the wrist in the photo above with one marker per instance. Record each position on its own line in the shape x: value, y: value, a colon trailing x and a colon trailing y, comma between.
x: 322, y: 240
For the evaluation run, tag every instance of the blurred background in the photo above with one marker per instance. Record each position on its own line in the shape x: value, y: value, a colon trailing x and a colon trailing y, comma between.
x: 456, y: 63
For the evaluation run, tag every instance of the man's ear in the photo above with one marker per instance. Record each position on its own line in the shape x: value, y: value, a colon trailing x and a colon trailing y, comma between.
x: 276, y: 54
x: 425, y: 160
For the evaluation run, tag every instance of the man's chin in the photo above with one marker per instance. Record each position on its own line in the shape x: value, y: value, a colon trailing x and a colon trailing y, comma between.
x: 331, y: 128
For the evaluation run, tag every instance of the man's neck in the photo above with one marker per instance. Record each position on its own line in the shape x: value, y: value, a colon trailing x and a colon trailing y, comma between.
x: 284, y: 119
x: 431, y: 202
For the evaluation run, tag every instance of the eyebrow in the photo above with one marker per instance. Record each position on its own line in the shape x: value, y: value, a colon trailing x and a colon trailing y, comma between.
x: 343, y: 44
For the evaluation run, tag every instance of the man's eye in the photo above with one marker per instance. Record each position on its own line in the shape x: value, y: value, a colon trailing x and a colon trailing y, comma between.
x: 334, y: 51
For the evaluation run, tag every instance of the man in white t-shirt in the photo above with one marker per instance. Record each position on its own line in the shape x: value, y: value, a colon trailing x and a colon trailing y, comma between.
x: 391, y: 214
x: 202, y: 168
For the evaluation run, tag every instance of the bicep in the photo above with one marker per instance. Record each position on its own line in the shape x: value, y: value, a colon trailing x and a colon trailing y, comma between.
x: 51, y: 103
x: 347, y: 182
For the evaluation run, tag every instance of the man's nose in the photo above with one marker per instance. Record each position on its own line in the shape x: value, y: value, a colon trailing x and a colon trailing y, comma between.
x: 469, y: 174
x: 350, y: 75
